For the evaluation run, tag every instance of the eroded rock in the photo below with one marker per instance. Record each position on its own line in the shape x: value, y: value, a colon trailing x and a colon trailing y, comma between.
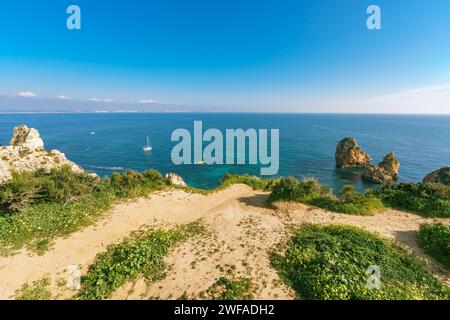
x: 386, y: 171
x: 175, y: 180
x: 27, y: 153
x: 441, y: 176
x: 350, y: 155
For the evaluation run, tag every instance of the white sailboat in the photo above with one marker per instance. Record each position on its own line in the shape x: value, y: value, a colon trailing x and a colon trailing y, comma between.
x: 148, y: 147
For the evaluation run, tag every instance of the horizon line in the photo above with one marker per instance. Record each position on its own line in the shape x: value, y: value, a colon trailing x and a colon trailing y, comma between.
x: 215, y: 112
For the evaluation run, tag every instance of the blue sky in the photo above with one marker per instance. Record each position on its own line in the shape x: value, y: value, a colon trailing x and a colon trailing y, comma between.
x: 226, y: 55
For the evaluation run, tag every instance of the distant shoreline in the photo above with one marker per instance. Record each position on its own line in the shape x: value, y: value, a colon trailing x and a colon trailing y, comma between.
x: 222, y: 112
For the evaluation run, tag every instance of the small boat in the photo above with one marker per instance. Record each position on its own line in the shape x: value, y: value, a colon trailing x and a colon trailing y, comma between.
x: 200, y: 162
x: 92, y: 132
x: 148, y: 147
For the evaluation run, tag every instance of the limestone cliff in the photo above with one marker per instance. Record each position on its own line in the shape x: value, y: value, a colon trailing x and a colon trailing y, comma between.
x: 26, y: 152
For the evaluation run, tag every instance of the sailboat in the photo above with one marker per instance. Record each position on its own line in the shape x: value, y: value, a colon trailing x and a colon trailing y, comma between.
x: 148, y: 147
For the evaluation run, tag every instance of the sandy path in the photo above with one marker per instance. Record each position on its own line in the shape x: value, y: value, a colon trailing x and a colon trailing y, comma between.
x: 163, y: 208
x: 240, y: 228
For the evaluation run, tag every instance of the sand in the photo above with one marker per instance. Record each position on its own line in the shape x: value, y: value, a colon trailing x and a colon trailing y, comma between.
x: 240, y: 231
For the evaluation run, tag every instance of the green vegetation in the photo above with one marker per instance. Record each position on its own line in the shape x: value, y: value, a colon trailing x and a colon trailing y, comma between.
x: 37, y: 291
x: 140, y: 255
x: 255, y: 183
x: 435, y: 239
x: 311, y: 192
x: 330, y: 262
x: 226, y: 289
x: 426, y: 199
x: 37, y: 207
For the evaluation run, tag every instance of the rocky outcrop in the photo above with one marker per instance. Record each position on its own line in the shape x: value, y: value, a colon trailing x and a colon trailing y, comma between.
x: 386, y: 171
x: 441, y: 176
x: 27, y: 153
x: 350, y: 155
x: 175, y: 179
x: 27, y: 138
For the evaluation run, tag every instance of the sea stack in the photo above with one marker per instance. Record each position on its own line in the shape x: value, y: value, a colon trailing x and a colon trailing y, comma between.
x: 441, y: 176
x: 26, y: 152
x: 386, y: 171
x: 350, y: 155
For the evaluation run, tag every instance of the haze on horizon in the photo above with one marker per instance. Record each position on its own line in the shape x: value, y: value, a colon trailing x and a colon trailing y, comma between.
x: 225, y: 56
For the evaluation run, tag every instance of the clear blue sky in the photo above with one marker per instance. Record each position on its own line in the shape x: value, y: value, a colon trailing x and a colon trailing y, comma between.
x: 227, y: 55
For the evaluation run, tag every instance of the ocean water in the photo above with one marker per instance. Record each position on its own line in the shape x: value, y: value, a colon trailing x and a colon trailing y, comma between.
x: 307, y: 142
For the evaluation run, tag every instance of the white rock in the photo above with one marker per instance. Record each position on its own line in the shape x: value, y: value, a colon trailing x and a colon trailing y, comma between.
x: 27, y: 138
x: 26, y: 153
x: 175, y: 180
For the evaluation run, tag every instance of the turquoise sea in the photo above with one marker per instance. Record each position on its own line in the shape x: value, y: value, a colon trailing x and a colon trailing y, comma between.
x: 307, y: 142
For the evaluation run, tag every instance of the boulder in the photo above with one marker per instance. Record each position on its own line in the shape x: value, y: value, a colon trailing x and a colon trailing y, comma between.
x: 175, y: 180
x: 386, y: 171
x: 350, y: 155
x: 441, y: 176
x: 27, y: 153
x: 27, y: 138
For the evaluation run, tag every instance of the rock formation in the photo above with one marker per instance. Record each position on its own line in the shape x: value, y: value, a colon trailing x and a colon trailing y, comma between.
x: 175, y: 180
x: 27, y: 153
x: 386, y: 171
x: 350, y: 155
x: 27, y: 138
x: 439, y: 176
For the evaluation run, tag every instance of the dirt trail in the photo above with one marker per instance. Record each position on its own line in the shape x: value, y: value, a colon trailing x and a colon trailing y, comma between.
x: 240, y: 230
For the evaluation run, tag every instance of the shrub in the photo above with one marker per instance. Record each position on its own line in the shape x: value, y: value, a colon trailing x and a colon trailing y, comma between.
x: 132, y: 183
x: 229, y: 289
x: 310, y: 192
x: 28, y: 188
x: 435, y: 239
x: 39, y: 290
x: 331, y: 262
x: 254, y: 182
x: 36, y: 207
x: 140, y: 255
x: 427, y: 199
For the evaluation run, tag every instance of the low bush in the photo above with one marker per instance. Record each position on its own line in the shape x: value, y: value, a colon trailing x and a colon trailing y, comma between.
x: 254, y: 182
x: 28, y: 188
x: 140, y: 255
x: 134, y: 184
x: 37, y: 207
x: 426, y: 199
x: 435, y: 239
x: 229, y: 289
x: 331, y: 262
x: 310, y: 192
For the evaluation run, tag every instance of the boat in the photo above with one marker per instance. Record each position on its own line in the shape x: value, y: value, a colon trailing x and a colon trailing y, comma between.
x: 148, y: 147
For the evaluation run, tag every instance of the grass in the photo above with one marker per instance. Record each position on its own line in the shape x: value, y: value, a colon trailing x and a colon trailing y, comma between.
x: 140, y: 255
x: 310, y: 192
x: 435, y: 239
x: 37, y: 291
x: 330, y: 262
x: 227, y: 289
x: 425, y: 199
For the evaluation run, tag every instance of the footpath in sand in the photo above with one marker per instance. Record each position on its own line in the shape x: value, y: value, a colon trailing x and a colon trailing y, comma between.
x: 241, y: 230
